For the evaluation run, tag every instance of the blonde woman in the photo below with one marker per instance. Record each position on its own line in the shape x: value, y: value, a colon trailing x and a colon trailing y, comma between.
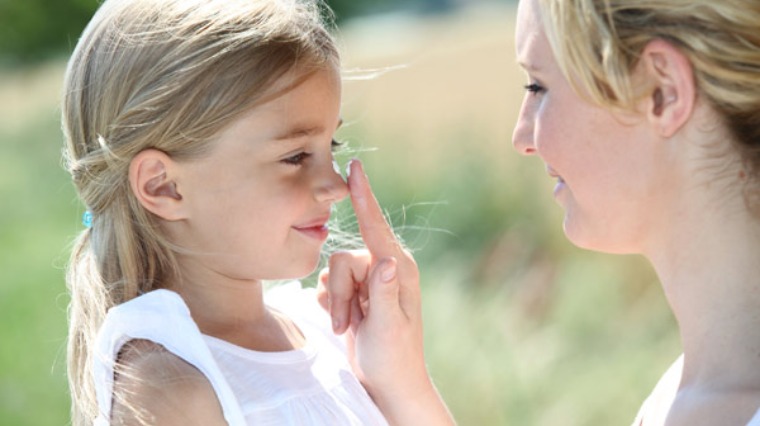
x: 647, y: 115
x: 199, y: 135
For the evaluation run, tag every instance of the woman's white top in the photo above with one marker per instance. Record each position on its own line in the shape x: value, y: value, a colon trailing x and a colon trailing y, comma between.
x: 313, y: 385
x: 659, y: 401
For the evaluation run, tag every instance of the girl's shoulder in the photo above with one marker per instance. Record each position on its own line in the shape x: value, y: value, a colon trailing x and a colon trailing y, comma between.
x: 154, y: 384
x: 153, y: 343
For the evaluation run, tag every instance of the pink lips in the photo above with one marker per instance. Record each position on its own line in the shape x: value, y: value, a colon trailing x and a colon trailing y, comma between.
x: 316, y: 229
x: 560, y: 182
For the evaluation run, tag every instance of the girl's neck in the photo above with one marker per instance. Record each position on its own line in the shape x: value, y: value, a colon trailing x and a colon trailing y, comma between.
x: 710, y: 272
x: 234, y: 311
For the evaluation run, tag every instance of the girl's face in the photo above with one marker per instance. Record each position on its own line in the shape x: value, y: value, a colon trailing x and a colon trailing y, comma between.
x: 608, y: 169
x: 260, y: 200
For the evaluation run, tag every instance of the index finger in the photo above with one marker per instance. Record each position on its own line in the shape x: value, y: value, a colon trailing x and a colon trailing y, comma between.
x: 375, y: 231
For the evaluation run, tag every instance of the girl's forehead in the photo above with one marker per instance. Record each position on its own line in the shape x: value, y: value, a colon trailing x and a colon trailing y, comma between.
x: 307, y: 108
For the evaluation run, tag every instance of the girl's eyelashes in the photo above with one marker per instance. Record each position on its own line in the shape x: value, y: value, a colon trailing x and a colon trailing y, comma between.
x: 534, y: 88
x: 297, y: 159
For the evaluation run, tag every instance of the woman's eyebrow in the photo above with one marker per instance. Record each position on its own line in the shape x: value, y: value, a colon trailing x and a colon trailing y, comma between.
x: 528, y: 66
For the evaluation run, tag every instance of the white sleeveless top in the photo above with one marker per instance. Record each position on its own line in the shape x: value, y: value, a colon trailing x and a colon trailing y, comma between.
x: 664, y: 393
x: 313, y: 385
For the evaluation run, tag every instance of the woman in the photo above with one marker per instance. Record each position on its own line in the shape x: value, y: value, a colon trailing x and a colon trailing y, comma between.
x: 647, y: 114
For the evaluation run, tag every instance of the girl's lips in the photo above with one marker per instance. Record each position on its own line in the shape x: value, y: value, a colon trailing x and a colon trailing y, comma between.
x: 316, y: 229
x: 316, y: 232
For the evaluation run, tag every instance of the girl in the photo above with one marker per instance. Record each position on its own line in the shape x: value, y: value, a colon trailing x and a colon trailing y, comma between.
x: 199, y: 134
x: 647, y: 115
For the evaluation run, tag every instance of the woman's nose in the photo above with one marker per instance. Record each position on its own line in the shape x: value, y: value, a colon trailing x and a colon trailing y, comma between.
x: 330, y: 184
x: 522, y: 136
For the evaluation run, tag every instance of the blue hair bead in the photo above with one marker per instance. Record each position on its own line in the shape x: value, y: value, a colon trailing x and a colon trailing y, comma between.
x: 87, y: 219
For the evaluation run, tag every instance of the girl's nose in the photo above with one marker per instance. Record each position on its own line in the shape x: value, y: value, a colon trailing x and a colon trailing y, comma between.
x: 330, y: 184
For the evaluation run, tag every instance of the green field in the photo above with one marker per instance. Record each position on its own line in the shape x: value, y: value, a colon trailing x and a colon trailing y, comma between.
x: 521, y: 327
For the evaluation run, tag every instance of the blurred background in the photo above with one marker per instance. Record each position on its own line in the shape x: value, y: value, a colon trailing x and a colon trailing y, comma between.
x: 521, y: 327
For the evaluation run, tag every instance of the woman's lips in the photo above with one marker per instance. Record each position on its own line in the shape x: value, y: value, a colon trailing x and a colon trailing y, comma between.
x: 559, y: 186
x: 560, y: 182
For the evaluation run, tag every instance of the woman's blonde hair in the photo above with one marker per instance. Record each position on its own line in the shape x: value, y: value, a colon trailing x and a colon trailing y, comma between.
x: 168, y: 75
x: 597, y: 44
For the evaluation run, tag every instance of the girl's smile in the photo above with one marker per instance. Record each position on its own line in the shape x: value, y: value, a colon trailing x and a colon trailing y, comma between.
x: 316, y: 229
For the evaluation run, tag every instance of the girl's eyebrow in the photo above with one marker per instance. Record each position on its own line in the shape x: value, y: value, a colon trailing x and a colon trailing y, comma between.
x: 300, y: 131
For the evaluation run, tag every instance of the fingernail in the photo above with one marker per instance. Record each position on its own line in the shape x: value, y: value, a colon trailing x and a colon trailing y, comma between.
x: 336, y: 168
x: 348, y: 169
x: 389, y: 272
x: 336, y: 324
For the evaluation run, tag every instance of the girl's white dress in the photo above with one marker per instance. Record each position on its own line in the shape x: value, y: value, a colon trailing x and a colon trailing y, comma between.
x: 313, y: 385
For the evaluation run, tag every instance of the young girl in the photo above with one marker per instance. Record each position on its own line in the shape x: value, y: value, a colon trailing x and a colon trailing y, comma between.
x: 647, y: 115
x: 199, y: 135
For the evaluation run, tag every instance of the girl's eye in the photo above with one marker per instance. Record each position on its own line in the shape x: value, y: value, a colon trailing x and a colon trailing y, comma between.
x: 296, y: 160
x: 534, y: 88
x: 301, y: 157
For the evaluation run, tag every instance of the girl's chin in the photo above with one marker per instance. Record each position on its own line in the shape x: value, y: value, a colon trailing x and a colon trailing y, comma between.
x: 301, y: 273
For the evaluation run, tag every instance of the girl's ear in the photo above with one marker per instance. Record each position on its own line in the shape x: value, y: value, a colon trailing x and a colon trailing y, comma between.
x: 671, y: 101
x: 152, y: 177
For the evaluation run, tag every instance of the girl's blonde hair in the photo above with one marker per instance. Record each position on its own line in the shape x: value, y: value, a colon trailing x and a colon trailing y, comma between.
x: 597, y: 44
x: 168, y: 75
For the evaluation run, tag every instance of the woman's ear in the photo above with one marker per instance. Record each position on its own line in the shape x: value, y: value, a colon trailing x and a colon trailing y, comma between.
x: 152, y: 177
x: 670, y: 103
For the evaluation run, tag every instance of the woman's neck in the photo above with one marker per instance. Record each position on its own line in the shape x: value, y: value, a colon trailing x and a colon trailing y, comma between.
x: 710, y: 272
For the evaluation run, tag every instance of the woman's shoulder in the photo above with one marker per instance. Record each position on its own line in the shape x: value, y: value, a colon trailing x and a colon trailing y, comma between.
x: 669, y: 404
x: 725, y: 408
x: 153, y: 384
x: 658, y: 403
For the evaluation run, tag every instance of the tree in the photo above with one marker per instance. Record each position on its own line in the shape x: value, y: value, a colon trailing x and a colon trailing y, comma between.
x: 34, y: 29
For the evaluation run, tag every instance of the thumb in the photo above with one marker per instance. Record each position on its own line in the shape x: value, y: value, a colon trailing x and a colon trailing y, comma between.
x: 384, y: 287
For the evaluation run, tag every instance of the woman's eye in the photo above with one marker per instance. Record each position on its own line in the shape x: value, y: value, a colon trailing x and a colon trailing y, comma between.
x: 335, y: 144
x: 296, y: 160
x: 534, y: 88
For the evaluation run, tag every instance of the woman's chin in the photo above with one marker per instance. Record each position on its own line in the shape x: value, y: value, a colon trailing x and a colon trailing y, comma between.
x: 585, y: 239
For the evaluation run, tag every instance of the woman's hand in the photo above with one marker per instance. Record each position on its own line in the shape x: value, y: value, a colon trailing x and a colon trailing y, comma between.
x: 375, y: 294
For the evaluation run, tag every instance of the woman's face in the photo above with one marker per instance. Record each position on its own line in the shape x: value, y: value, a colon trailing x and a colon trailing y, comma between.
x: 608, y: 168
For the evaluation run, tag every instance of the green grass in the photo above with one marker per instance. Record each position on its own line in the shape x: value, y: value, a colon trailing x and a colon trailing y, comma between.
x: 36, y: 223
x: 521, y: 327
